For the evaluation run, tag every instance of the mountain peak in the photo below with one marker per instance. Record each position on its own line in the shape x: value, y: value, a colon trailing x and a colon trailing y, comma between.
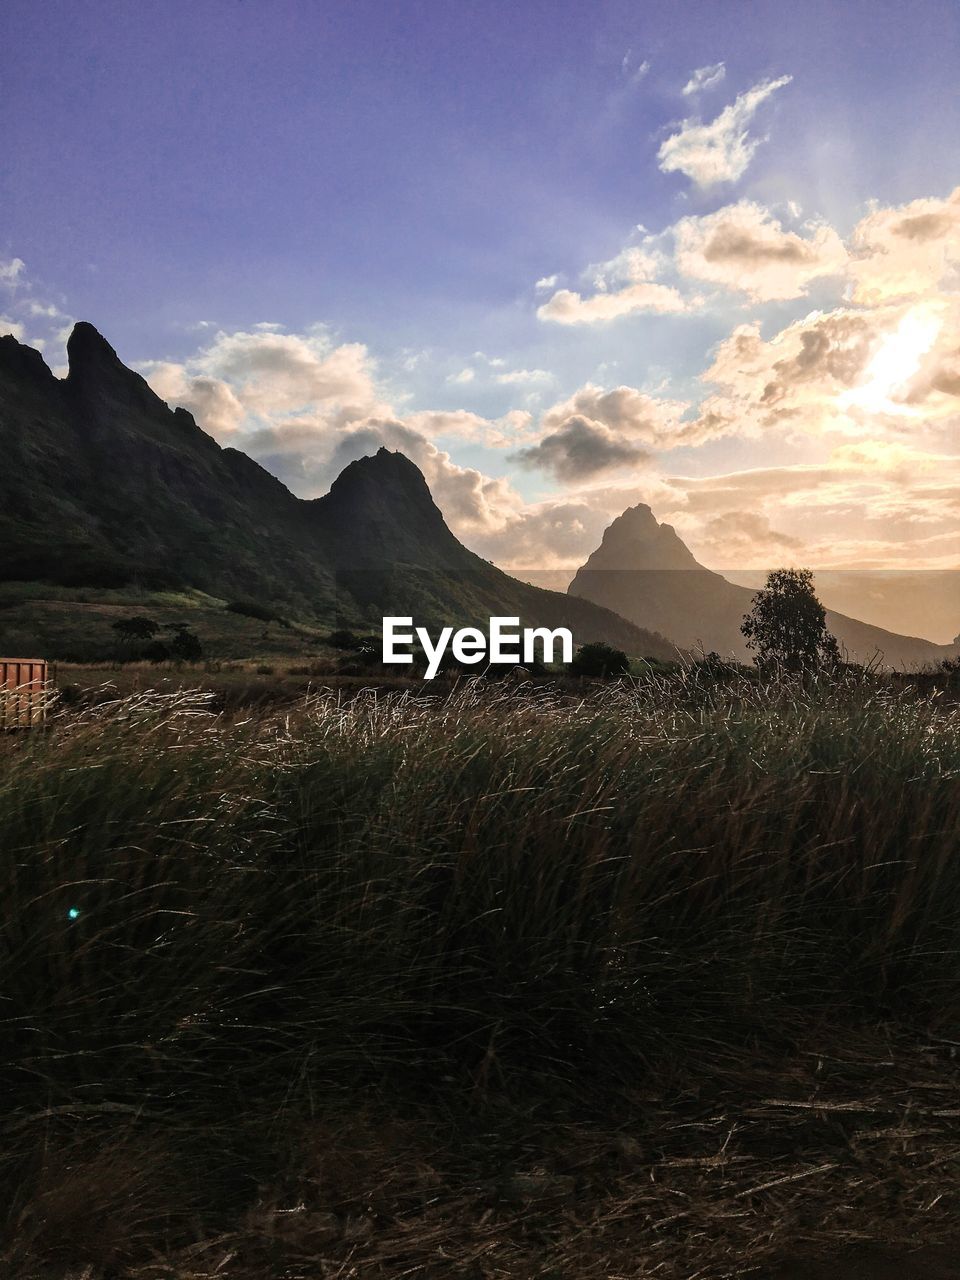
x: 636, y: 540
x: 95, y: 368
x: 21, y: 360
x: 87, y: 345
x: 386, y: 478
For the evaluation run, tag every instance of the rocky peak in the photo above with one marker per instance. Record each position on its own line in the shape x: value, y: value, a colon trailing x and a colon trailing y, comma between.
x: 636, y: 540
x: 95, y: 369
x: 387, y: 481
x: 21, y: 361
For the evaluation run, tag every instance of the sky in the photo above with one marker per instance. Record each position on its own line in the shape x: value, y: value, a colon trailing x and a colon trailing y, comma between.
x: 568, y: 256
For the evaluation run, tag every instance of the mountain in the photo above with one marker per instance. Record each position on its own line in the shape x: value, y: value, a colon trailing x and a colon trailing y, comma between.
x: 897, y: 599
x: 104, y: 486
x: 644, y: 571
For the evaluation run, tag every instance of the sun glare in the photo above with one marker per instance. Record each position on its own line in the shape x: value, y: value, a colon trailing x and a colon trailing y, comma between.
x: 895, y: 362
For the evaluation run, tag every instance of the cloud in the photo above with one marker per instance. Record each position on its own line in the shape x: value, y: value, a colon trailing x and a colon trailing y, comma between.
x: 721, y: 150
x: 211, y: 401
x: 630, y: 75
x: 622, y: 409
x: 744, y: 247
x: 705, y: 78
x: 496, y: 433
x: 568, y: 307
x: 633, y: 264
x: 866, y: 505
x: 745, y: 538
x: 555, y: 534
x: 242, y: 379
x: 271, y: 372
x: 597, y: 431
x: 10, y: 270
x: 625, y: 286
x: 506, y: 378
x: 875, y: 373
x: 582, y: 448
x: 547, y: 282
x: 27, y: 313
x: 899, y: 252
x: 520, y: 377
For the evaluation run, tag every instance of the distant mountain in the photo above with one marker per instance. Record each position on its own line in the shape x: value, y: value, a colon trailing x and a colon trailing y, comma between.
x: 645, y: 572
x: 897, y: 599
x: 103, y: 485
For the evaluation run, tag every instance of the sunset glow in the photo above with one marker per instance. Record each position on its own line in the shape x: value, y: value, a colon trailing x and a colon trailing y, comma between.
x: 896, y: 360
x: 565, y: 264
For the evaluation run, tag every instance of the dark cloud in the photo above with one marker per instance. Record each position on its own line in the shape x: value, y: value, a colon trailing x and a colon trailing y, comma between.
x: 581, y: 448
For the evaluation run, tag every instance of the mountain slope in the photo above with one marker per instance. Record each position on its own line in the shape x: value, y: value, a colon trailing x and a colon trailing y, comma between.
x: 643, y: 570
x: 104, y: 485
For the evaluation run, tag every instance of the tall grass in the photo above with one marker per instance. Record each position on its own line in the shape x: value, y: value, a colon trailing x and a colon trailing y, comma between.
x: 213, y: 926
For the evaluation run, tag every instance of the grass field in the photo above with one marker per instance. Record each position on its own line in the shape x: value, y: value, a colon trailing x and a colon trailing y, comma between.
x: 662, y: 980
x: 75, y: 624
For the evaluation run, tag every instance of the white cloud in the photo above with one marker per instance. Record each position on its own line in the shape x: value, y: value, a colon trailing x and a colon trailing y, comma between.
x: 906, y: 250
x: 520, y: 377
x: 463, y: 377
x: 705, y: 78
x: 721, y: 150
x: 211, y: 400
x: 631, y: 265
x: 10, y: 270
x: 547, y: 282
x: 8, y: 326
x: 744, y: 247
x: 569, y: 307
x: 856, y: 372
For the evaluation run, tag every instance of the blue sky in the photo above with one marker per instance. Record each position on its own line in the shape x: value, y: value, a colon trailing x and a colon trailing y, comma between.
x: 322, y: 226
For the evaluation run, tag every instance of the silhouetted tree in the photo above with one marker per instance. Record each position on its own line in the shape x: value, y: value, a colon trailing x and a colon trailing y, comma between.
x: 185, y: 644
x: 787, y: 623
x: 136, y: 628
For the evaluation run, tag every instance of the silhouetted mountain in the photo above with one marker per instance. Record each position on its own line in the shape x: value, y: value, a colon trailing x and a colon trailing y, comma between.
x: 104, y: 485
x: 645, y: 572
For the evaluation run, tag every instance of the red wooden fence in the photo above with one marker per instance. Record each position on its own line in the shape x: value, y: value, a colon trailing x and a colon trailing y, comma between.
x: 24, y: 692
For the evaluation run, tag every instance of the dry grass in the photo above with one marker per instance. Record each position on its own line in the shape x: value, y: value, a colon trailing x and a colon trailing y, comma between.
x: 664, y: 983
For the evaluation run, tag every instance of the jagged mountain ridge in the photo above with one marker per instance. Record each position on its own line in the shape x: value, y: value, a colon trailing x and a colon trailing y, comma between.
x: 104, y: 485
x: 643, y: 570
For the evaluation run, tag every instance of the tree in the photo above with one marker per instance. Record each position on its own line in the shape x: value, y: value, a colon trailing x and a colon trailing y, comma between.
x: 599, y: 659
x: 185, y: 644
x: 136, y: 628
x: 787, y: 623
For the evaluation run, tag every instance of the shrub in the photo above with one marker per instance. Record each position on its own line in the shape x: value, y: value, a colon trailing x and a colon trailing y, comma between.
x: 251, y: 609
x: 599, y: 659
x: 343, y: 639
x: 185, y: 645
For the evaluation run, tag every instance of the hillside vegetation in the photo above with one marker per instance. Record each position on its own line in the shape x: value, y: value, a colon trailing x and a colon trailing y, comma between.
x: 503, y: 984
